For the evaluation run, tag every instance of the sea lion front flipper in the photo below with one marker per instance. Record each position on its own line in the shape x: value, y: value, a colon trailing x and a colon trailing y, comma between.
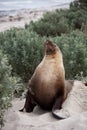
x: 29, y: 103
x: 56, y: 107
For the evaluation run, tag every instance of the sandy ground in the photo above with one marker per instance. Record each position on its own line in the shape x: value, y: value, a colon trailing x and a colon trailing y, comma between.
x: 44, y: 120
x: 20, y: 19
x: 41, y: 120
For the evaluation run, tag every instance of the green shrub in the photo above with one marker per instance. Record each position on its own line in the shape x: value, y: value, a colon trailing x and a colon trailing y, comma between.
x: 60, y: 22
x: 24, y: 51
x: 77, y: 18
x: 7, y: 85
x: 53, y: 23
x: 78, y: 4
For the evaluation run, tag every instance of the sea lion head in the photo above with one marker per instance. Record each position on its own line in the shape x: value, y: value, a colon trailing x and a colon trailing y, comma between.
x: 50, y: 47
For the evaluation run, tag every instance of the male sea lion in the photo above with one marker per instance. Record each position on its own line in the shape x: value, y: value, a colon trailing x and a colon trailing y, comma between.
x: 47, y: 85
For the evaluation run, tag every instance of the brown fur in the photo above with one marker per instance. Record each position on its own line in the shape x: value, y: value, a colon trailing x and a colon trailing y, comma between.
x: 48, y: 81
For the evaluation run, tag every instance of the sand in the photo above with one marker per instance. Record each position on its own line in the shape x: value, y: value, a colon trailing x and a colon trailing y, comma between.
x: 24, y: 16
x: 40, y: 120
x: 44, y: 120
x: 20, y: 19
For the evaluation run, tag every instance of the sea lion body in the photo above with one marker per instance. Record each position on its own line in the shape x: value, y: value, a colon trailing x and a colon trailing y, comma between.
x: 48, y: 80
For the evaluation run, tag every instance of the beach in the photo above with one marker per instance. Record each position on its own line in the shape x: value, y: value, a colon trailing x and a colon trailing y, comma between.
x: 19, y: 17
x: 22, y: 17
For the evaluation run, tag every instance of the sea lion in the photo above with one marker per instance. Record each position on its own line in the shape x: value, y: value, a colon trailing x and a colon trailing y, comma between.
x: 47, y: 85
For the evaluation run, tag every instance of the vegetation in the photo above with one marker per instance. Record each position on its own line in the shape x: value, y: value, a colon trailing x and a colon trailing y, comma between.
x: 79, y: 4
x: 60, y: 22
x: 24, y: 51
x: 21, y: 50
x: 7, y: 85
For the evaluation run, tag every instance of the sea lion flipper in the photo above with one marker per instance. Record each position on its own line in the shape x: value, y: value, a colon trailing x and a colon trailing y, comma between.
x: 29, y: 103
x: 57, y: 106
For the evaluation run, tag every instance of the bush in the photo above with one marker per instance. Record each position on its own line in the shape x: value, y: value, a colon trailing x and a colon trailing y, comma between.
x: 53, y: 23
x: 60, y: 22
x: 7, y: 85
x: 24, y: 51
x: 79, y: 4
x: 77, y: 19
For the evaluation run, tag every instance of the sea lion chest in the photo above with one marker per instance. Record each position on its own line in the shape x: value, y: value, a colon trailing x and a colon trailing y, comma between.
x: 46, y: 80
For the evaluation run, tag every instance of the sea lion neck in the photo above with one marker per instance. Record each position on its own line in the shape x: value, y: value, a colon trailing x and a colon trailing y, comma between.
x: 50, y: 56
x: 56, y: 56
